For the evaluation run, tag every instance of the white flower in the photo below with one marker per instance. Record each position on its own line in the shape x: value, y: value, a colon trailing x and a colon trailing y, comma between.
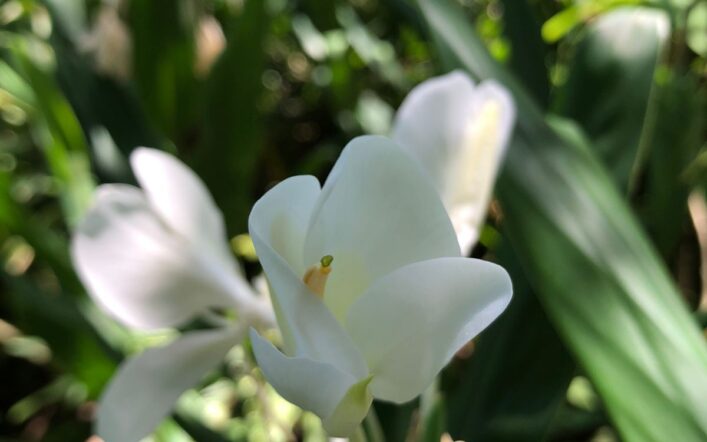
x: 459, y: 133
x: 155, y: 257
x: 397, y: 301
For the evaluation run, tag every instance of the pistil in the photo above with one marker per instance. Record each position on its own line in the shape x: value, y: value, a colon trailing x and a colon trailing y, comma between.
x: 316, y: 276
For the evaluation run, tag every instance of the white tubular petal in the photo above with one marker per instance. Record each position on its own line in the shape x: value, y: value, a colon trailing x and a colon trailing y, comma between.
x: 181, y: 199
x: 135, y: 268
x: 431, y: 122
x: 459, y: 134
x: 146, y: 387
x: 277, y: 224
x: 337, y: 397
x: 378, y: 211
x: 420, y: 315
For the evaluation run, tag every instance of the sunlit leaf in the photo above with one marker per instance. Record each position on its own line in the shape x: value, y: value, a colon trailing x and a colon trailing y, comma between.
x: 598, y: 278
x: 610, y: 81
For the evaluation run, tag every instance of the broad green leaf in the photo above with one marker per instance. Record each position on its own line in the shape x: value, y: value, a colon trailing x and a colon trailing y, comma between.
x: 163, y: 62
x: 528, y: 51
x: 597, y: 276
x: 517, y: 376
x: 610, y: 82
x: 232, y: 126
x: 672, y: 144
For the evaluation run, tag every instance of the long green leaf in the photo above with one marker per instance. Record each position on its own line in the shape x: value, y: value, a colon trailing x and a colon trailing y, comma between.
x: 518, y: 374
x: 75, y: 344
x: 163, y: 62
x: 108, y: 110
x: 610, y: 81
x: 59, y: 134
x: 233, y: 130
x: 598, y: 278
x: 672, y: 144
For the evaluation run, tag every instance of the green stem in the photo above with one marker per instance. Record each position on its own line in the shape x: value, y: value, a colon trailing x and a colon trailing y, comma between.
x: 359, y: 435
x: 373, y: 427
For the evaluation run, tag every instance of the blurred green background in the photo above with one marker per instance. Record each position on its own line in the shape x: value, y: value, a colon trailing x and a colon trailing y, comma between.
x: 600, y: 217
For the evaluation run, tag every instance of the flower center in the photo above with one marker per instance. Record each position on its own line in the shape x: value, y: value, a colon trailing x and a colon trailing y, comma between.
x: 316, y: 276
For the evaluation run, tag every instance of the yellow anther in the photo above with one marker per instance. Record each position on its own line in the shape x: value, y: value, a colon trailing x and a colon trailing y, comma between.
x: 316, y: 276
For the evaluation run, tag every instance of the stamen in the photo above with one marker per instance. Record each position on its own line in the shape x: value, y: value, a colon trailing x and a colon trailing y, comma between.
x: 316, y: 276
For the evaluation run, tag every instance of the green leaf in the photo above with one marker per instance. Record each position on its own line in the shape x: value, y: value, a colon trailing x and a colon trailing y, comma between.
x: 163, y: 62
x: 109, y: 111
x: 597, y: 276
x: 74, y: 342
x: 672, y: 144
x: 517, y: 376
x: 47, y: 244
x: 59, y: 134
x: 560, y: 24
x: 610, y: 82
x: 233, y: 128
x: 528, y: 51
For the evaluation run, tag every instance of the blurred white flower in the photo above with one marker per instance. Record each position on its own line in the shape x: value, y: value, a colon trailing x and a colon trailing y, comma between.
x: 458, y: 132
x: 155, y: 257
x: 110, y: 43
x: 371, y: 293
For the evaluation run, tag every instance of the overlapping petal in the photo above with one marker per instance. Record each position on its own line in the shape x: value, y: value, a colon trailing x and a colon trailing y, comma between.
x: 410, y: 323
x: 339, y: 398
x: 181, y: 199
x: 134, y: 266
x: 147, y: 386
x: 459, y: 133
x: 277, y: 225
x: 377, y: 212
x: 431, y: 121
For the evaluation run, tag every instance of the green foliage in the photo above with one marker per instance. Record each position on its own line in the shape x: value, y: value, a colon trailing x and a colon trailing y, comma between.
x: 597, y: 276
x: 594, y: 227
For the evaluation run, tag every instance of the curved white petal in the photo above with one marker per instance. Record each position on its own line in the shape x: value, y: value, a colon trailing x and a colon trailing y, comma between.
x: 277, y: 224
x: 411, y: 322
x: 181, y: 199
x: 459, y: 134
x: 378, y: 211
x: 146, y: 387
x: 341, y: 400
x: 134, y: 266
x: 431, y: 121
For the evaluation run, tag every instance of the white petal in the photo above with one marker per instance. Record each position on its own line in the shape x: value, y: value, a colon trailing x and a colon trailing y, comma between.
x: 146, y: 387
x: 431, y: 121
x: 341, y: 400
x: 378, y: 211
x: 412, y: 321
x: 277, y: 224
x: 459, y: 134
x: 134, y: 266
x: 181, y: 199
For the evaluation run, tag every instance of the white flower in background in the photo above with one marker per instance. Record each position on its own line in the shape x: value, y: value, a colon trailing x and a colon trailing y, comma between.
x: 458, y: 132
x: 371, y: 293
x: 155, y: 257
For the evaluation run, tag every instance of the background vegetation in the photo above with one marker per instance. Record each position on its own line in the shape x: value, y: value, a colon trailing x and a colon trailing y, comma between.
x: 605, y: 338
